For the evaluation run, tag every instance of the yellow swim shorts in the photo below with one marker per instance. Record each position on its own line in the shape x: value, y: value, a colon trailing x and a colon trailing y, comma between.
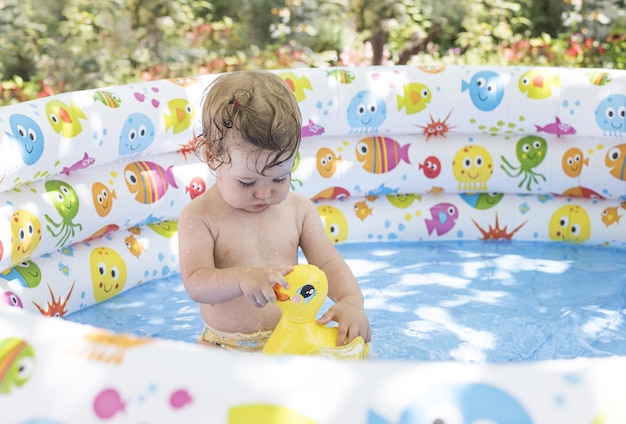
x: 253, y: 342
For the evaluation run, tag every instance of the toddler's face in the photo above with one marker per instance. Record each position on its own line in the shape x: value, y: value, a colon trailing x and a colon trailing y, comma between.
x: 244, y: 187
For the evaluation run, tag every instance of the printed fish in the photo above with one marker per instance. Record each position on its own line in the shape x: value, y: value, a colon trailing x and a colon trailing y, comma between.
x: 196, y: 187
x: 107, y: 98
x: 339, y: 193
x: 599, y: 77
x: 297, y: 84
x: 616, y: 160
x: 17, y: 363
x: 65, y: 120
x: 311, y: 129
x: 342, y: 76
x: 362, y: 210
x: 180, y: 117
x: 538, y: 83
x: 134, y: 246
x: 557, y: 128
x: 416, y: 97
x: 444, y: 216
x: 610, y: 216
x: 85, y: 162
x: 381, y: 154
x: 148, y: 180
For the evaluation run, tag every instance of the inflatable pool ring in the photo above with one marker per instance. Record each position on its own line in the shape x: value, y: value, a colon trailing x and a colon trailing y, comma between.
x: 297, y: 331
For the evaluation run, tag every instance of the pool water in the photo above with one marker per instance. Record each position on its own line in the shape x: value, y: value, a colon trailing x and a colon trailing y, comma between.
x: 475, y: 302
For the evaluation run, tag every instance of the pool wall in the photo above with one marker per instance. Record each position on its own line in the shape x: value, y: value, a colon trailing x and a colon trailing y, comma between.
x: 91, y: 184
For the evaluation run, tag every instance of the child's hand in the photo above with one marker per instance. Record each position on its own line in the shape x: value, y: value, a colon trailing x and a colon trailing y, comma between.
x: 352, y: 321
x: 257, y: 284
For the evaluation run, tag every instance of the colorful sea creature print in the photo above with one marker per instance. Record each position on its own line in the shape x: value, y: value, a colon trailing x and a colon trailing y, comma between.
x: 461, y: 403
x: 335, y: 223
x: 497, y: 233
x: 326, y: 162
x: 432, y: 69
x: 362, y: 210
x: 611, y: 115
x: 530, y: 151
x: 109, y: 347
x: 25, y: 235
x: 431, y: 167
x: 599, y: 77
x: 343, y: 76
x: 539, y: 83
x: 167, y: 228
x: 472, y: 167
x: 183, y: 81
x: 557, y: 128
x: 17, y: 363
x: 437, y: 128
x: 415, y: 98
x: 266, y: 413
x: 107, y: 98
x: 134, y: 246
x: 580, y: 191
x: 26, y: 274
x: 610, y: 216
x: 103, y: 231
x: 64, y: 119
x: 188, y: 147
x: 56, y: 307
x: 443, y: 216
x: 9, y: 298
x: 148, y: 180
x: 296, y: 84
x: 196, y: 187
x: 137, y: 134
x: 338, y: 193
x: 311, y: 129
x: 573, y: 162
x: 108, y: 273
x: 366, y: 112
x: 402, y: 201
x: 181, y: 114
x: 486, y: 90
x: 615, y: 160
x: 65, y: 201
x: 102, y: 198
x: 570, y: 223
x: 482, y: 201
x: 27, y: 133
x: 83, y: 163
x: 381, y: 154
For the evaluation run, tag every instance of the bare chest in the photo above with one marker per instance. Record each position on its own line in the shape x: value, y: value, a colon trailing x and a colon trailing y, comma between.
x: 270, y: 238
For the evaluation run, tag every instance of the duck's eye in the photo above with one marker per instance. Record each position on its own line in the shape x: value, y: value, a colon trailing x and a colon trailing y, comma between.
x: 307, y: 292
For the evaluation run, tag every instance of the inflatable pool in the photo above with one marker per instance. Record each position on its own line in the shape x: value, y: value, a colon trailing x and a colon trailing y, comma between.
x: 91, y: 184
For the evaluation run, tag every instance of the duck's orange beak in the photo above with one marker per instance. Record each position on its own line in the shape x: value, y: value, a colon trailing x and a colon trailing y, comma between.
x: 280, y: 296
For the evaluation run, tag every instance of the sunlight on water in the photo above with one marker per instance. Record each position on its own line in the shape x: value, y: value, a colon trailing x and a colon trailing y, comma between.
x: 470, y: 302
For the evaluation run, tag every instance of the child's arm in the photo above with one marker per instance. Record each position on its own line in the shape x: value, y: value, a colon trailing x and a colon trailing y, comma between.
x: 210, y: 285
x: 343, y: 288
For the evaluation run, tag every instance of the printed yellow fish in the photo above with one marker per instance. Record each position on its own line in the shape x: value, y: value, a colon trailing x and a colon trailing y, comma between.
x: 65, y: 120
x: 296, y: 84
x: 538, y: 83
x: 416, y: 97
x: 181, y: 115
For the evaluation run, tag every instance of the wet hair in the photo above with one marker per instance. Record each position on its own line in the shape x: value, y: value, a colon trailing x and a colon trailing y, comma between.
x: 257, y: 104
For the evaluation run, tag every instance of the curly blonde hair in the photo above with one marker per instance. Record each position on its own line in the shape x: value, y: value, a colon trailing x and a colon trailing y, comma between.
x: 259, y: 105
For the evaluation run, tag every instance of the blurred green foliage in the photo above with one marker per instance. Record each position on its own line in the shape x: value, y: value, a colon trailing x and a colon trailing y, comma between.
x: 65, y: 45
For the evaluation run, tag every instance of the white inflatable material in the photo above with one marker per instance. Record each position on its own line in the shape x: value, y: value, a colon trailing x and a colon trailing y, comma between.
x: 91, y: 184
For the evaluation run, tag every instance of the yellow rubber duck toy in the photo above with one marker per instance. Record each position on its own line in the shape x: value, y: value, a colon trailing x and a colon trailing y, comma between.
x: 297, y: 331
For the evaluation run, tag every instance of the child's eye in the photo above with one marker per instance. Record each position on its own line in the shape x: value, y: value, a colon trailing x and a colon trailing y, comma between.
x: 280, y: 180
x: 246, y: 185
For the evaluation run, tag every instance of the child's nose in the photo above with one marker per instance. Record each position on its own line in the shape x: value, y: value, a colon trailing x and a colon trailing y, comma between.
x: 263, y: 193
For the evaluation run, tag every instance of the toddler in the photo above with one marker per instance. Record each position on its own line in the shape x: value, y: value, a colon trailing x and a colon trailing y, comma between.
x: 242, y: 235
